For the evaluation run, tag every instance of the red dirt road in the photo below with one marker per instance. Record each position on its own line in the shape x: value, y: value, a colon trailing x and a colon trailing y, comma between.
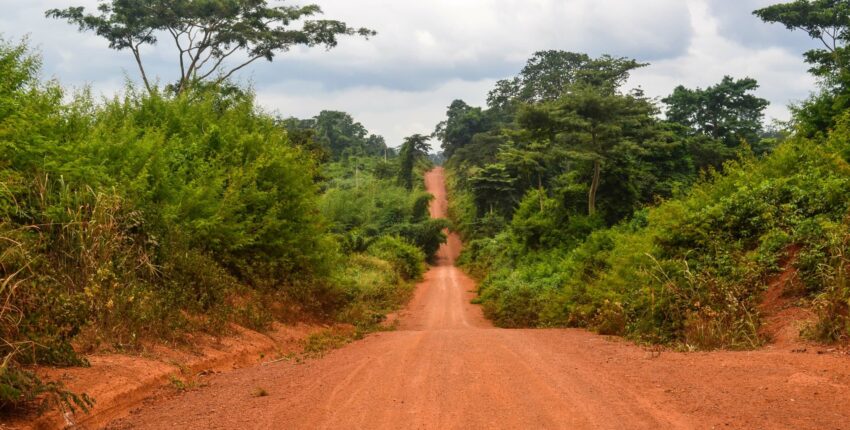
x: 446, y: 367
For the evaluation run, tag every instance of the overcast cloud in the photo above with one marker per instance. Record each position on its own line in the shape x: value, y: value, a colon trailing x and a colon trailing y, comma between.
x: 430, y: 52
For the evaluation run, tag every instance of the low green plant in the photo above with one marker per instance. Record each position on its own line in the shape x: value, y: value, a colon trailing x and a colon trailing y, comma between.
x: 832, y: 300
x: 18, y: 385
x: 319, y: 344
x: 374, y: 288
x: 406, y: 259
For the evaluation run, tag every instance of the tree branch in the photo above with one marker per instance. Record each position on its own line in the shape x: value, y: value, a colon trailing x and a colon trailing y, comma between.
x: 204, y: 62
x: 826, y: 44
x: 176, y: 36
x: 134, y: 47
x: 236, y: 69
x: 201, y: 47
x: 138, y: 57
x: 218, y: 63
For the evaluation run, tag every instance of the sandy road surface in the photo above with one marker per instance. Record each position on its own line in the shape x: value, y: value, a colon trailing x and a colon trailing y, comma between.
x: 446, y: 367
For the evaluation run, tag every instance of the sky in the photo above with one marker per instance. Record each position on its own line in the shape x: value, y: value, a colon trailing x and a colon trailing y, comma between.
x: 428, y: 53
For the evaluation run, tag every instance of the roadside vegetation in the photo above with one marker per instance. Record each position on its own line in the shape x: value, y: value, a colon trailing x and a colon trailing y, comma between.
x: 182, y: 208
x: 584, y: 206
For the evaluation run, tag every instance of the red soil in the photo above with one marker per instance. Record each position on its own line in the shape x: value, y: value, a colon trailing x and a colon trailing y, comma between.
x: 782, y: 318
x: 120, y: 382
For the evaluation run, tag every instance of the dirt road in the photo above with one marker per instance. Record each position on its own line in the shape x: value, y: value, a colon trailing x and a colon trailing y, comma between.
x: 446, y: 367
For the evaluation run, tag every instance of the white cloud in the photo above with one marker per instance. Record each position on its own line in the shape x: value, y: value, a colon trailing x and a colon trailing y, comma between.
x: 430, y: 52
x: 441, y: 36
x: 781, y: 73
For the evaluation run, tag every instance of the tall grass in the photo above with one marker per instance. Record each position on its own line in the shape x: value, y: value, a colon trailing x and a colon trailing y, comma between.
x: 18, y: 385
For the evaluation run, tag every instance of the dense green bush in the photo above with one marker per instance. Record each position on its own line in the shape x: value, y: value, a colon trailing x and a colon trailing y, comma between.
x: 693, y: 268
x: 406, y: 259
x: 374, y: 288
x: 427, y: 235
x: 461, y: 207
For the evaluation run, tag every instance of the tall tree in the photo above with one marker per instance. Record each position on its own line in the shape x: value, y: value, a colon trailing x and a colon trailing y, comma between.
x: 727, y: 112
x: 827, y: 21
x: 529, y: 161
x: 412, y: 150
x: 462, y: 123
x: 493, y: 189
x: 592, y: 124
x: 548, y: 75
x: 208, y: 33
x: 339, y: 135
x: 302, y: 133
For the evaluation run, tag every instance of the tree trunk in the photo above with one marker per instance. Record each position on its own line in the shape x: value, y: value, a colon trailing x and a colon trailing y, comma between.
x: 540, y: 190
x: 594, y: 187
x: 594, y: 183
x: 138, y: 56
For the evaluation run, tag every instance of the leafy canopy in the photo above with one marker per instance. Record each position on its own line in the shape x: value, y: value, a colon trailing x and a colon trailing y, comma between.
x: 548, y: 74
x: 463, y: 122
x: 592, y: 124
x: 208, y: 33
x: 413, y: 149
x: 335, y: 136
x: 825, y: 20
x: 727, y: 111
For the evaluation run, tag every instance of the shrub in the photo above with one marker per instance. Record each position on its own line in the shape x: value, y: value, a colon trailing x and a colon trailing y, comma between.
x: 374, y: 288
x: 427, y: 235
x: 406, y: 259
x: 832, y: 275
